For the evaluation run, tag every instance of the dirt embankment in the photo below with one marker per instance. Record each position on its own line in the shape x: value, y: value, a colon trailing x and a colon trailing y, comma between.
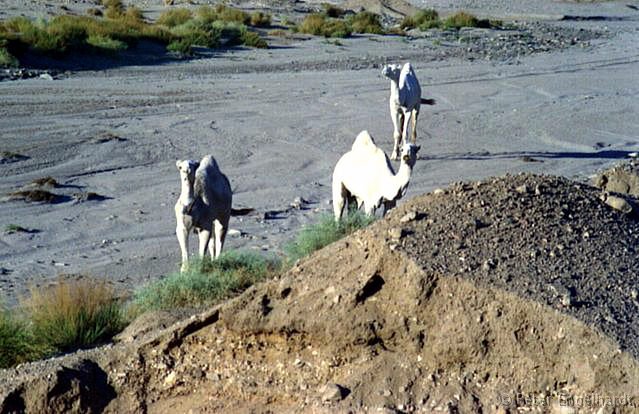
x: 460, y: 301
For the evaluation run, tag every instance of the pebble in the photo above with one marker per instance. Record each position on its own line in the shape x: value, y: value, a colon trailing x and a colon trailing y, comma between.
x: 333, y: 392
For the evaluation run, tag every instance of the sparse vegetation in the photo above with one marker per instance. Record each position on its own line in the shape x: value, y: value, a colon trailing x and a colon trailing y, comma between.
x: 366, y: 22
x: 48, y: 181
x: 34, y: 196
x: 429, y: 19
x: 179, y: 29
x: 459, y: 20
x: 206, y: 282
x: 319, y: 24
x: 17, y: 343
x: 325, y: 232
x: 422, y: 20
x: 14, y: 228
x: 74, y: 314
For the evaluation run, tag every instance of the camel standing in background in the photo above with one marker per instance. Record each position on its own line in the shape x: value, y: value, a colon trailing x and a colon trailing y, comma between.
x: 204, y: 205
x: 405, y: 100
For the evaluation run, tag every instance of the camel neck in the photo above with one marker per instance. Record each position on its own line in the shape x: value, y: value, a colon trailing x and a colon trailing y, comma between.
x: 186, y: 194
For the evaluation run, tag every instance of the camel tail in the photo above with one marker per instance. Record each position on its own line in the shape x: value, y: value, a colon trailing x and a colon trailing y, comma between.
x: 428, y: 101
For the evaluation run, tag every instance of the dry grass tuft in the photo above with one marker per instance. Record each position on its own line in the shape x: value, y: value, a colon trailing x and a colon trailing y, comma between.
x: 34, y: 196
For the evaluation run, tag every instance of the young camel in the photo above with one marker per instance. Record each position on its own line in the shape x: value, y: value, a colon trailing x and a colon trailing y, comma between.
x: 405, y: 100
x: 204, y: 205
x: 366, y: 175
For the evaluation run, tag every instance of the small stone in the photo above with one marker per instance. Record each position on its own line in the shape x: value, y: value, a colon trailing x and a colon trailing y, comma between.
x: 522, y: 189
x: 170, y: 379
x: 618, y: 203
x: 566, y: 300
x: 439, y: 191
x: 396, y: 233
x: 634, y: 294
x: 408, y: 217
x: 333, y: 393
x: 234, y: 233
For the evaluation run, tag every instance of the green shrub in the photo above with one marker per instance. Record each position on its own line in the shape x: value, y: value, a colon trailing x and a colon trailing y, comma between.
x: 114, y: 8
x: 423, y: 19
x: 7, y: 60
x: 366, y: 22
x: 259, y: 19
x: 134, y: 14
x: 206, y: 14
x: 325, y: 232
x: 230, y: 14
x: 106, y: 43
x: 319, y: 25
x: 206, y: 282
x: 74, y: 314
x: 174, y: 17
x: 253, y: 39
x: 196, y: 33
x: 459, y: 20
x: 17, y: 344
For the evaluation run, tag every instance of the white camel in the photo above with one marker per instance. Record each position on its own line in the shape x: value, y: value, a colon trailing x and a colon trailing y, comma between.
x: 405, y: 100
x: 365, y: 174
x: 204, y: 205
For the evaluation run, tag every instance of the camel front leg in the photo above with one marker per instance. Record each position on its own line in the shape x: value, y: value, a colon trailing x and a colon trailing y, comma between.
x: 388, y: 205
x: 398, y: 121
x: 182, y: 234
x: 415, y: 115
x: 408, y: 117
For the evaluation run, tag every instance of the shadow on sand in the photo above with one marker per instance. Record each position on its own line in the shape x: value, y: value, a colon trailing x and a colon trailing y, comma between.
x: 530, y: 156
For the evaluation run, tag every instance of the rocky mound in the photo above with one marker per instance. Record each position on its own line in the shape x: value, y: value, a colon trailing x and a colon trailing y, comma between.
x: 485, y: 297
x: 622, y: 178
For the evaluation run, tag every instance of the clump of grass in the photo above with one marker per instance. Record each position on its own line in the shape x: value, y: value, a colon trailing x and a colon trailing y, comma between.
x: 260, y: 19
x: 48, y: 181
x: 231, y: 14
x: 253, y: 39
x: 174, y: 17
x: 74, y: 314
x: 34, y: 196
x: 7, y: 60
x: 423, y: 20
x: 105, y: 43
x: 325, y: 232
x: 17, y: 343
x: 206, y: 282
x: 92, y: 11
x: 114, y: 8
x: 14, y: 228
x: 366, y: 22
x: 319, y: 24
x: 459, y: 20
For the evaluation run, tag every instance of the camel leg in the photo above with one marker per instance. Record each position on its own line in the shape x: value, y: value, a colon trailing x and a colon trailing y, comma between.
x: 182, y: 234
x: 388, y: 205
x: 205, y: 237
x: 407, y: 119
x: 220, y: 234
x: 339, y: 197
x: 398, y: 122
x: 415, y: 115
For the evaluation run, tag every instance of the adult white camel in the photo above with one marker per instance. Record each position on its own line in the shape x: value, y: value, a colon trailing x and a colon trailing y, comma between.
x: 366, y: 175
x: 204, y: 205
x: 405, y: 100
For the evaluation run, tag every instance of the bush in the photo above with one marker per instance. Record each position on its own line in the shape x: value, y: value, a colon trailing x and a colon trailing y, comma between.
x: 106, y: 43
x: 319, y: 25
x: 325, y: 232
x: 206, y: 14
x: 7, y: 60
x: 206, y: 282
x: 459, y: 20
x: 114, y: 8
x: 196, y: 33
x: 17, y: 344
x: 253, y: 39
x: 423, y: 19
x: 230, y: 14
x: 74, y: 314
x: 366, y: 22
x: 259, y: 19
x: 174, y: 17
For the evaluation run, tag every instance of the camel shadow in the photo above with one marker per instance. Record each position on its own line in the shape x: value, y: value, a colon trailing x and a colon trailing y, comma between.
x: 528, y: 156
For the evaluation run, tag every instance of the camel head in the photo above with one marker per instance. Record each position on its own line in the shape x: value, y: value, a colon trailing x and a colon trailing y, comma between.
x: 187, y: 169
x: 409, y: 154
x: 392, y: 71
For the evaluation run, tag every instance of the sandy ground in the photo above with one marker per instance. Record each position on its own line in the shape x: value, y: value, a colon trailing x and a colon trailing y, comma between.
x: 277, y: 122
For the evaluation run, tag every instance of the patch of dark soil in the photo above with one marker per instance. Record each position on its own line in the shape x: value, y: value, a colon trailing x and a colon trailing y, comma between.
x: 546, y: 239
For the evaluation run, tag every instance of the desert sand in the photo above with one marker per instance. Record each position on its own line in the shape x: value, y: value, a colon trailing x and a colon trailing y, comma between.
x: 277, y: 121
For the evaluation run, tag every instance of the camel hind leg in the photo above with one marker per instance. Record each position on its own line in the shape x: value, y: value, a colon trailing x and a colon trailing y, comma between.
x: 415, y: 115
x: 205, y: 238
x: 340, y: 194
x: 219, y: 231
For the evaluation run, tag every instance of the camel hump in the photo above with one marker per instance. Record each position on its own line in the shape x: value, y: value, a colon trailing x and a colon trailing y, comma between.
x: 364, y: 141
x: 208, y: 163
